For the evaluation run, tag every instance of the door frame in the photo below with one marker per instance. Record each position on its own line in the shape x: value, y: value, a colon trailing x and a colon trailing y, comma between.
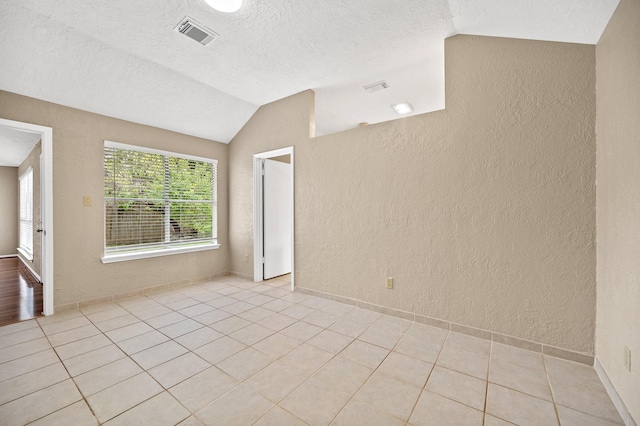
x: 46, y: 216
x: 258, y: 209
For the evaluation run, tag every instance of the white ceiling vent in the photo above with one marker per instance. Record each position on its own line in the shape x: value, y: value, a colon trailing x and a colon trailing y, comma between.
x: 195, y: 31
x: 374, y: 87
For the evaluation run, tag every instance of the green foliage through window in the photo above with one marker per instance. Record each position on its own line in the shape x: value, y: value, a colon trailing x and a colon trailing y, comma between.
x: 155, y: 200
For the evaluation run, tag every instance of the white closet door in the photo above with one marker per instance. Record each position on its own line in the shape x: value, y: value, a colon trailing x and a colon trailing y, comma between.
x: 277, y: 218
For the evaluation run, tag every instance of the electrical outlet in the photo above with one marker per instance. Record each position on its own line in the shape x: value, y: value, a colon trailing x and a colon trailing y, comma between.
x: 627, y: 358
x: 86, y: 201
x: 389, y: 282
x: 246, y: 258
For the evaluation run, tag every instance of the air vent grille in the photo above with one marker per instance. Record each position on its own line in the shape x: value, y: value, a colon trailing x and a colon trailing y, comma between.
x: 196, y: 31
x: 374, y: 87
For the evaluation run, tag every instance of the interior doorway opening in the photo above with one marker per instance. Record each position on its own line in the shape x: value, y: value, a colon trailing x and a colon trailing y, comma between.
x: 46, y: 200
x: 273, y: 224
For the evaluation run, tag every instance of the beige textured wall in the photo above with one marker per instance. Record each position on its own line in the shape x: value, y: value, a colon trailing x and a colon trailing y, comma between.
x: 78, y: 138
x: 483, y: 213
x: 277, y: 125
x: 33, y: 161
x: 618, y: 201
x: 9, y: 204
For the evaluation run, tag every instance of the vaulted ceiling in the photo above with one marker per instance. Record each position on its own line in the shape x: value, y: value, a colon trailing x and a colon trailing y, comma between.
x: 124, y: 59
x: 15, y: 146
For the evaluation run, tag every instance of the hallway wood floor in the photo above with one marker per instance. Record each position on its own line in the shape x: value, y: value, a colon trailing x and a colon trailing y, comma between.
x: 20, y: 292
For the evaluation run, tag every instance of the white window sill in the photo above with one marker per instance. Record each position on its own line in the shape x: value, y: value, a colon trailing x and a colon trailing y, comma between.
x: 122, y: 257
x: 25, y: 254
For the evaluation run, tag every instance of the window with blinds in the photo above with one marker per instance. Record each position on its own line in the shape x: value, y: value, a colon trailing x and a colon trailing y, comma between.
x: 156, y: 200
x: 26, y: 213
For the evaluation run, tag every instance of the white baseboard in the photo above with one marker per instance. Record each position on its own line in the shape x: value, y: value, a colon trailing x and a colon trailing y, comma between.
x: 30, y: 269
x: 613, y: 394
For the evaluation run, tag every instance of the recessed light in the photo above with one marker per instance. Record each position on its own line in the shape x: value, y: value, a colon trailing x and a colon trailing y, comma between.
x: 226, y: 6
x: 403, y: 108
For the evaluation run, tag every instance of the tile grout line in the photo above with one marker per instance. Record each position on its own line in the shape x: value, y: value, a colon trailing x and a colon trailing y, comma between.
x: 127, y: 355
x: 553, y: 397
x: 144, y: 370
x: 424, y: 387
x: 46, y: 387
x: 188, y: 351
x: 352, y: 397
x: 83, y: 315
x: 486, y: 391
x: 396, y: 313
x: 556, y: 404
x: 509, y: 345
x: 240, y: 383
x: 186, y: 295
x: 333, y: 357
x: 302, y: 319
x: 218, y: 368
x: 70, y: 378
x: 522, y: 392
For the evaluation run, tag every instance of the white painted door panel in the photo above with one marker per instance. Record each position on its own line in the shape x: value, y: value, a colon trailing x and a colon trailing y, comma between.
x: 277, y: 218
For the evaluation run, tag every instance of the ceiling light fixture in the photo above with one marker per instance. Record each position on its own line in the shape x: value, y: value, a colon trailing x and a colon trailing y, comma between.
x: 226, y: 6
x: 403, y: 108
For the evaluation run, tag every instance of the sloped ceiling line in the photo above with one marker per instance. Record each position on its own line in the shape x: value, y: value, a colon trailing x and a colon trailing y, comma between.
x: 124, y: 59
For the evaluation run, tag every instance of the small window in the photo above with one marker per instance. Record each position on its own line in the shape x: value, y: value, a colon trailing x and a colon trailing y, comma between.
x: 26, y: 214
x: 157, y: 202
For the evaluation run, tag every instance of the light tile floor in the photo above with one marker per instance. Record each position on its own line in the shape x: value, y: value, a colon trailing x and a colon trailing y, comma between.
x: 234, y: 352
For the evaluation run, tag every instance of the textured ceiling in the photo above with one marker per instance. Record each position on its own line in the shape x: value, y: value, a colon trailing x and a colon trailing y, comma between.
x: 15, y: 146
x: 123, y: 58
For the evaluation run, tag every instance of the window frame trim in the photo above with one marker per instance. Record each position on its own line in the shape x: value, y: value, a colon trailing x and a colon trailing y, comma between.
x: 113, y: 257
x: 146, y: 254
x: 25, y: 251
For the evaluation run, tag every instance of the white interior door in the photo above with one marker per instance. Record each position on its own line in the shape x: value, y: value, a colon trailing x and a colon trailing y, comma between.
x: 41, y: 226
x: 276, y: 183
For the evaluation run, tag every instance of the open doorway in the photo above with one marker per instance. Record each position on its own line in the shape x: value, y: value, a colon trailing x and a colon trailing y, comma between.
x: 273, y: 237
x: 44, y: 232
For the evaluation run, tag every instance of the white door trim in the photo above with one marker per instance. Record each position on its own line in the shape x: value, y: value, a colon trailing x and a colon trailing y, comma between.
x: 46, y: 188
x: 258, y: 210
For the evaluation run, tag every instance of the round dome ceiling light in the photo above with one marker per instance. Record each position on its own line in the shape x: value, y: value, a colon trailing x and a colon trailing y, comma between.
x: 226, y: 6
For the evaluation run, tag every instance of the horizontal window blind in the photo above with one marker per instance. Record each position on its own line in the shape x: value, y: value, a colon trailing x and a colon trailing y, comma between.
x: 26, y: 212
x: 156, y: 200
